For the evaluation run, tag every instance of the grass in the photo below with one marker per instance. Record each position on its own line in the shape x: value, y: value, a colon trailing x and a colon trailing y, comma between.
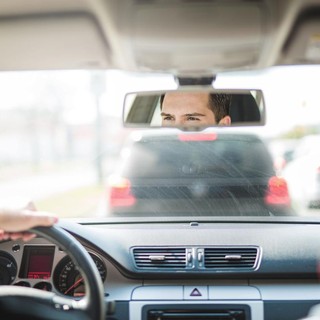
x: 80, y: 202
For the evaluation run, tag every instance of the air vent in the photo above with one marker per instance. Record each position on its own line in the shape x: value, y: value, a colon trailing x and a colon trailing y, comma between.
x: 230, y: 257
x: 160, y: 258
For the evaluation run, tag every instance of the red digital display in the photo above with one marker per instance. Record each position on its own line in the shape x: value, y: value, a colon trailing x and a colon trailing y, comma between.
x: 40, y: 266
x: 37, y: 262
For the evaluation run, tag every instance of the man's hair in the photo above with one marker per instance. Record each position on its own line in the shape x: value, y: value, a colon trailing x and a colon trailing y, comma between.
x: 219, y: 104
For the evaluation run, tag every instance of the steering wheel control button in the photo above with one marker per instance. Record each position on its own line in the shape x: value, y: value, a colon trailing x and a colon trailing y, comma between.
x: 195, y: 293
x: 65, y: 307
x: 62, y: 304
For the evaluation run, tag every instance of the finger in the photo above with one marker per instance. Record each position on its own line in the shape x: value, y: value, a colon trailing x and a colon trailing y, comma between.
x: 4, y: 235
x: 27, y: 236
x: 15, y: 235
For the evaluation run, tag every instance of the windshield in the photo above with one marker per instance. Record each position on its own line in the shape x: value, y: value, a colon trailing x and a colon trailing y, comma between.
x: 63, y: 146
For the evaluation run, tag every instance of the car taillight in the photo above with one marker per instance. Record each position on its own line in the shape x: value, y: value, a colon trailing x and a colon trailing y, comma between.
x: 197, y: 136
x: 120, y: 193
x: 277, y: 193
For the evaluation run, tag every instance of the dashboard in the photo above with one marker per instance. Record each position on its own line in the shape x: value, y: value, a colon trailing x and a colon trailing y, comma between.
x: 193, y: 271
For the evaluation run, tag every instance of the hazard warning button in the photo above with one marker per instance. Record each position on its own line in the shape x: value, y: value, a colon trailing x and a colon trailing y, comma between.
x: 195, y: 292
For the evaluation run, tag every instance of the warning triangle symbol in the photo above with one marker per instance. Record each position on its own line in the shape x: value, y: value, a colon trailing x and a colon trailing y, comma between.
x: 195, y: 293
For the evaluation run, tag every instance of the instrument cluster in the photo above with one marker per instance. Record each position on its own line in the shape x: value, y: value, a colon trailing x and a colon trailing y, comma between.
x: 43, y: 266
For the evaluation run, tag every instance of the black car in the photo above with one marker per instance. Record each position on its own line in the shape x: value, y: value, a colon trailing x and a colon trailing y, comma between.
x: 210, y: 173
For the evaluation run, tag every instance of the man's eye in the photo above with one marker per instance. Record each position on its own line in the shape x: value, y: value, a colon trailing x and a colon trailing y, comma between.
x: 168, y: 118
x: 193, y: 119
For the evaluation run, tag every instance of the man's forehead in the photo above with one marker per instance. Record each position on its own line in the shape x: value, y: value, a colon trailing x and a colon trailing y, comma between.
x: 189, y: 98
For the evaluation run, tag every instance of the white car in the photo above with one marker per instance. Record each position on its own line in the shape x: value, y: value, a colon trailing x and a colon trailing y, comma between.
x: 303, y: 177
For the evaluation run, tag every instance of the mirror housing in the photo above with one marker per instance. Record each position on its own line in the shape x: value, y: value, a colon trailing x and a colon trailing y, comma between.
x: 189, y: 109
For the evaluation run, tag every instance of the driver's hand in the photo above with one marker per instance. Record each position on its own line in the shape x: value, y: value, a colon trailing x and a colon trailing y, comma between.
x: 15, y: 221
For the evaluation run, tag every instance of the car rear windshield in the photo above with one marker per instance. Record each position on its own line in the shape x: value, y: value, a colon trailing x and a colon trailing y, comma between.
x: 224, y: 157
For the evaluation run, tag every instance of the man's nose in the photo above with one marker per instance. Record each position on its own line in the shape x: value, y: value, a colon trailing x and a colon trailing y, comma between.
x: 179, y: 122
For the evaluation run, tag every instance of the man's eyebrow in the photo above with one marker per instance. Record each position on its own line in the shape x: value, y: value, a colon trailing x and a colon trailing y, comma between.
x: 194, y: 114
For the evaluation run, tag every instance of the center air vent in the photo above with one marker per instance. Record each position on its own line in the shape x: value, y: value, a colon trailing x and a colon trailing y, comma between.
x: 160, y: 258
x: 230, y: 257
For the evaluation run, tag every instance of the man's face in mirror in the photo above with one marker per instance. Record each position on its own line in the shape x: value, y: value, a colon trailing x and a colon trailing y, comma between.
x: 195, y: 109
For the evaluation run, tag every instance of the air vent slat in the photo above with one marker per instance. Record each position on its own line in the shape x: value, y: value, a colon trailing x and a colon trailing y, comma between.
x: 224, y: 261
x: 160, y: 258
x: 230, y: 258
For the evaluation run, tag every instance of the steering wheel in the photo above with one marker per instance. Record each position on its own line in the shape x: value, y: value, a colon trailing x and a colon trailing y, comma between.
x: 28, y: 303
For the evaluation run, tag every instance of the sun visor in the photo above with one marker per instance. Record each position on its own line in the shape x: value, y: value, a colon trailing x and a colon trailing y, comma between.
x: 52, y: 41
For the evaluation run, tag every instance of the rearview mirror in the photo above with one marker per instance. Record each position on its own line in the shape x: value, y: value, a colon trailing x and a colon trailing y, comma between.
x: 194, y: 109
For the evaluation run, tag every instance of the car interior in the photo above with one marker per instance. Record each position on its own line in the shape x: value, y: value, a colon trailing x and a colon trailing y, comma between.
x: 191, y: 260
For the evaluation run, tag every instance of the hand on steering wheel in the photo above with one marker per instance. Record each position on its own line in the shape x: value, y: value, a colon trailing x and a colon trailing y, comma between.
x: 28, y: 303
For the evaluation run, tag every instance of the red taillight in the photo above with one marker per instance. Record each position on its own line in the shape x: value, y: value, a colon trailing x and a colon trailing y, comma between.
x: 197, y: 136
x: 120, y: 193
x: 277, y: 193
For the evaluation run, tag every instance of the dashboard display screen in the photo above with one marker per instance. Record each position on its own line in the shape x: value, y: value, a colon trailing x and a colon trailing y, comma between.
x: 37, y: 262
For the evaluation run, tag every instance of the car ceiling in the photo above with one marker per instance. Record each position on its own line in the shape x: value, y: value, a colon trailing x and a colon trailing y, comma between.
x: 186, y: 37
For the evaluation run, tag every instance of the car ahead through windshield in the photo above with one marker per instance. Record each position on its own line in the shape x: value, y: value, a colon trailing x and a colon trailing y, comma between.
x: 210, y: 173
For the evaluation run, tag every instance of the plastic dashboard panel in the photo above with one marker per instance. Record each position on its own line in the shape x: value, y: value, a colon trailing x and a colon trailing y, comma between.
x: 284, y: 286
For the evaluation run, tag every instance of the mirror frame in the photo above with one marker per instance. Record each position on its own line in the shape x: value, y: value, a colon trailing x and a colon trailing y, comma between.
x: 153, y: 104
